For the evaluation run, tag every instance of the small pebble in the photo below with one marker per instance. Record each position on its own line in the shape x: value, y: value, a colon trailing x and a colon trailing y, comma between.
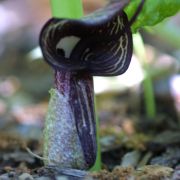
x: 4, y: 177
x: 176, y: 174
x: 25, y: 176
x: 62, y: 178
x: 43, y: 178
x: 11, y: 174
x: 8, y: 168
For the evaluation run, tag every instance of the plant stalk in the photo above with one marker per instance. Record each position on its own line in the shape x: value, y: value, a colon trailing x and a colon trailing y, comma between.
x: 149, y: 98
x: 67, y: 8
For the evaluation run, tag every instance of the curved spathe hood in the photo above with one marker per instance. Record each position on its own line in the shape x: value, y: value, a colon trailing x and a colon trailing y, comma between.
x: 100, y: 43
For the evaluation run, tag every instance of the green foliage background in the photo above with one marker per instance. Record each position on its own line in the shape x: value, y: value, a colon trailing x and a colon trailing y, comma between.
x: 153, y: 12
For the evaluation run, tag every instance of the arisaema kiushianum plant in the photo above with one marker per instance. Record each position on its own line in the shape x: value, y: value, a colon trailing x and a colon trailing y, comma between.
x: 77, y: 48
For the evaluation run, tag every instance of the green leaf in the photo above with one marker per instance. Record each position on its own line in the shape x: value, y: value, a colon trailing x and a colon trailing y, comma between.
x: 153, y: 12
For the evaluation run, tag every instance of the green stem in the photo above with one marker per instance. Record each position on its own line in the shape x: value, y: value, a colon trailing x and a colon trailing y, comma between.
x: 74, y: 9
x: 67, y: 8
x: 147, y: 84
x: 97, y: 165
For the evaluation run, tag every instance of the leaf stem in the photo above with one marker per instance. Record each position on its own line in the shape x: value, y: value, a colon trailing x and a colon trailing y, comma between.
x: 147, y: 83
x: 67, y: 8
x: 97, y: 165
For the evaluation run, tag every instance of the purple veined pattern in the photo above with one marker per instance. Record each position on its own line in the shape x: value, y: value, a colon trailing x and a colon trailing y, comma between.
x: 100, y: 43
x: 79, y: 91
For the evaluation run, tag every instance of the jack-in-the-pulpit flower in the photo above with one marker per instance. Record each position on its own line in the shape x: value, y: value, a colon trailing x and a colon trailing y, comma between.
x: 99, y: 44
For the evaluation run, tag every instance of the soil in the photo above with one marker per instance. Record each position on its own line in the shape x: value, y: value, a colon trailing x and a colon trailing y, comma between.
x: 129, y: 149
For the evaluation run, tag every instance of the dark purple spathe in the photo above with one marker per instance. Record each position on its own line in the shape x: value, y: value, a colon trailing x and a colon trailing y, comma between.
x: 99, y: 44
